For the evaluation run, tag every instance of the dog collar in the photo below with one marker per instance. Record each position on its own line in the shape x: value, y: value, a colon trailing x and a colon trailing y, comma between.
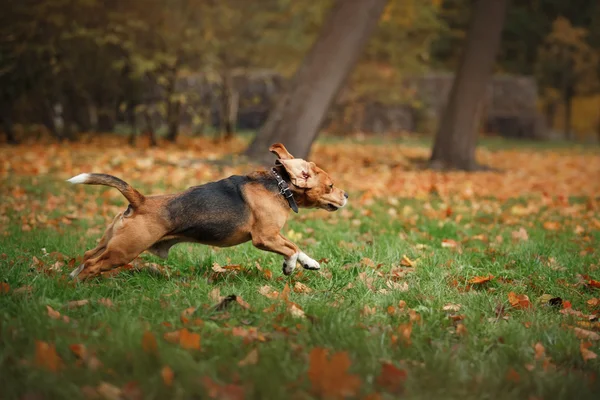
x: 284, y: 189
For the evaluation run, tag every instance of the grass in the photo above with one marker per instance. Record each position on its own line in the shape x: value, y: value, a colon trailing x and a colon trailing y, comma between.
x: 493, y: 358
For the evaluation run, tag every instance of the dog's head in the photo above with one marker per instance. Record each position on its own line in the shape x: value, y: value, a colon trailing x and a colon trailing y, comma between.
x: 312, y: 186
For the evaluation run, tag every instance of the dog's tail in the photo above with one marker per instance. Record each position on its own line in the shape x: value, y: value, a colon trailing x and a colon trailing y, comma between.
x: 133, y: 196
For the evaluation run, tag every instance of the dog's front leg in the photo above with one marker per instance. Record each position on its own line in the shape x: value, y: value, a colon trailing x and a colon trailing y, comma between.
x: 281, y: 245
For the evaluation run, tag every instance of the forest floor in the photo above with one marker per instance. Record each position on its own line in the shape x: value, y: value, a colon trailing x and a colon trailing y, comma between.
x: 433, y: 285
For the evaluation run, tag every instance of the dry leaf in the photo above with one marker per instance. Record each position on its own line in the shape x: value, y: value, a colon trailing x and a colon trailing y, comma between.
x: 585, y: 334
x: 46, y: 356
x: 519, y: 301
x: 480, y: 279
x: 329, y: 377
x: 167, y: 375
x: 295, y: 310
x: 77, y: 303
x: 521, y: 234
x: 223, y: 392
x: 108, y: 391
x: 172, y: 337
x: 586, y: 353
x: 540, y: 351
x: 451, y: 307
x: 106, y: 302
x: 242, y: 303
x: 250, y: 359
x: 391, y: 378
x: 185, y: 314
x: 449, y: 243
x: 189, y: 340
x: 4, y: 288
x: 215, y: 295
x: 366, y: 310
x: 217, y: 268
x: 149, y: 344
x: 461, y: 330
x: 407, y: 262
x: 399, y: 286
x: 52, y: 313
x: 299, y: 287
x: 513, y: 376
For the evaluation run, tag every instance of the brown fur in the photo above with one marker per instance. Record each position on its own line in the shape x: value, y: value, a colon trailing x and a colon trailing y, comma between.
x: 224, y: 213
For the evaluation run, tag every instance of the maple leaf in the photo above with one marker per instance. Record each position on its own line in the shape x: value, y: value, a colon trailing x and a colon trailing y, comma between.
x: 250, y: 359
x: 217, y: 268
x: 480, y: 279
x: 391, y: 378
x: 407, y: 262
x: 167, y: 375
x: 46, y: 356
x: 329, y: 376
x: 149, y: 344
x: 519, y: 301
x: 586, y: 353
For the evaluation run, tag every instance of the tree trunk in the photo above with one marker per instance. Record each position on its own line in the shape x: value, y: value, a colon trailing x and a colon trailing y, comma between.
x: 299, y: 112
x: 150, y: 129
x: 568, y: 103
x: 229, y: 105
x: 173, y: 115
x: 456, y: 137
x: 7, y: 126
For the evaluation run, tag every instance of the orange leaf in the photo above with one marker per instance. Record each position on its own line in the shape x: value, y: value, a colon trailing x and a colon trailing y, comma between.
x: 77, y: 303
x: 329, y: 378
x: 79, y: 350
x: 585, y: 334
x: 223, y: 392
x: 215, y: 295
x: 242, y: 303
x: 52, y: 313
x: 109, y: 391
x: 540, y: 351
x: 185, y: 314
x: 461, y: 330
x: 300, y: 287
x: 513, y: 376
x: 587, y: 354
x: 519, y: 301
x: 149, y: 343
x: 167, y: 375
x: 594, y: 283
x: 172, y: 337
x: 46, y: 356
x: 4, y: 288
x: 391, y: 378
x: 481, y: 279
x: 407, y: 262
x: 189, y: 340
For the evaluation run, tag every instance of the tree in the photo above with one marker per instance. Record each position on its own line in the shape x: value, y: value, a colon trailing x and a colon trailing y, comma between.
x: 567, y: 65
x: 456, y: 137
x: 299, y: 112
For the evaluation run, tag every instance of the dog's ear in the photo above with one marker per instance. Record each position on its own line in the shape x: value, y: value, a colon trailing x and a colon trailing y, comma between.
x: 302, y: 173
x: 280, y: 151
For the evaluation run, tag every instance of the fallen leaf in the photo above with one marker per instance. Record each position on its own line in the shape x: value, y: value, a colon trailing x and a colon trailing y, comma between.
x: 4, y: 288
x: 585, y: 334
x: 77, y: 303
x: 250, y: 359
x: 593, y: 302
x: 105, y: 302
x: 521, y: 234
x: 551, y: 225
x: 329, y: 376
x: 167, y: 375
x: 295, y: 310
x: 407, y: 262
x: 519, y: 301
x: 366, y: 310
x: 215, y: 295
x: 217, y: 268
x: 586, y: 353
x: 399, y: 286
x: 52, y: 313
x: 185, y: 314
x: 223, y: 392
x: 449, y: 243
x: 172, y: 337
x: 189, y: 340
x: 451, y: 307
x: 391, y: 378
x: 480, y: 279
x: 268, y: 291
x: 461, y: 330
x: 513, y: 376
x: 149, y: 344
x: 300, y: 287
x: 540, y: 351
x: 108, y: 391
x: 46, y: 356
x: 132, y: 391
x: 242, y: 303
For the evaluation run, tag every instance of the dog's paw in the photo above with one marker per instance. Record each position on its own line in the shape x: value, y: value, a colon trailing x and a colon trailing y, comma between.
x: 289, y: 264
x: 308, y: 263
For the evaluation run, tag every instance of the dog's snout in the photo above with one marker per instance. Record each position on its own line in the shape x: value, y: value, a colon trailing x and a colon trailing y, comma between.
x: 345, y: 194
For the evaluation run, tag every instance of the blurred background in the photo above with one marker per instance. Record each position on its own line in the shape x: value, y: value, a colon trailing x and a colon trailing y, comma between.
x: 163, y: 69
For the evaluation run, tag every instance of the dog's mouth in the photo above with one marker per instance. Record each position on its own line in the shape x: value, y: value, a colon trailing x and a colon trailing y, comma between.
x: 331, y: 207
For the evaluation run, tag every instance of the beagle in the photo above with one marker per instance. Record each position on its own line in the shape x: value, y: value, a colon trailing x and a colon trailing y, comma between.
x: 225, y: 213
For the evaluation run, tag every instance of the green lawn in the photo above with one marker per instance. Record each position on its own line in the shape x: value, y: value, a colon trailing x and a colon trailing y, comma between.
x: 363, y: 302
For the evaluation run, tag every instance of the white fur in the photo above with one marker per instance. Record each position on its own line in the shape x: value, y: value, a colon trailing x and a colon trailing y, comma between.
x: 81, y: 178
x: 308, y: 262
x: 290, y: 264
